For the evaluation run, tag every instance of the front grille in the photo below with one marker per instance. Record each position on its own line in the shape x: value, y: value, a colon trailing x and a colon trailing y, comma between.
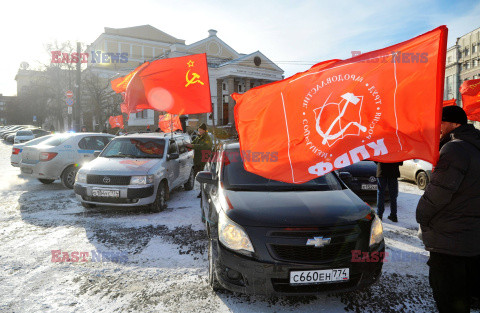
x: 312, y: 254
x: 283, y: 285
x: 110, y: 200
x: 108, y: 180
x: 289, y: 245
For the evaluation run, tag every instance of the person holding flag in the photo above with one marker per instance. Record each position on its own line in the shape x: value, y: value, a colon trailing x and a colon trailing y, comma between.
x: 449, y: 215
x: 201, y: 146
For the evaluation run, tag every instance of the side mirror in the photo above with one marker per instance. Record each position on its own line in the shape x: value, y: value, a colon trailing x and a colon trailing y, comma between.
x: 96, y: 153
x: 205, y: 177
x: 172, y: 156
x: 345, y: 176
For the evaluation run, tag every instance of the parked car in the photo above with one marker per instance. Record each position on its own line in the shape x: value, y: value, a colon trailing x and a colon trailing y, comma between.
x: 418, y: 171
x: 23, y: 136
x: 273, y: 238
x: 38, y: 132
x: 361, y: 178
x: 60, y: 156
x: 17, y: 149
x: 136, y: 170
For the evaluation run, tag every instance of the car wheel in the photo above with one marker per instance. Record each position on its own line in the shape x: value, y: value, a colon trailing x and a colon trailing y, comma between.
x: 88, y: 205
x: 190, y: 182
x: 68, y: 176
x: 46, y: 181
x: 212, y: 275
x: 422, y: 180
x: 161, y: 197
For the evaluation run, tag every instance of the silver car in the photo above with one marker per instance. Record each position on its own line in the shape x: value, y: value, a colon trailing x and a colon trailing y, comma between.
x: 136, y: 170
x: 418, y: 171
x: 60, y: 156
x: 17, y: 149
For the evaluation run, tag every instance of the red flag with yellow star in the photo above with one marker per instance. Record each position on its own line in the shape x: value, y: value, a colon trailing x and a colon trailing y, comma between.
x: 177, y: 85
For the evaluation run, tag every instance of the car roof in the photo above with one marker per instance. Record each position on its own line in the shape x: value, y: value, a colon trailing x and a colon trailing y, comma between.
x: 154, y: 135
x: 232, y: 145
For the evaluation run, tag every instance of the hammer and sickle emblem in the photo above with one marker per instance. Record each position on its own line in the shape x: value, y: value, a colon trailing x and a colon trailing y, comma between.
x: 193, y: 80
x: 327, y: 135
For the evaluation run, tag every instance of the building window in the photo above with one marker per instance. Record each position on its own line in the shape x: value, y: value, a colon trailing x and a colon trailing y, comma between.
x: 142, y: 114
x: 474, y: 48
x: 224, y: 86
x: 475, y: 63
x: 466, y: 65
x: 449, y: 60
x: 466, y: 51
x: 239, y: 88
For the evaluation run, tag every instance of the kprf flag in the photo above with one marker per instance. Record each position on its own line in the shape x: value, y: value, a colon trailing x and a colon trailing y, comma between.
x: 450, y: 102
x: 470, y: 90
x: 116, y: 121
x: 383, y: 105
x: 169, y: 123
x: 177, y: 85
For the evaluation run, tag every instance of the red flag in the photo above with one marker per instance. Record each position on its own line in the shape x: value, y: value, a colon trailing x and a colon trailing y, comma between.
x: 177, y: 85
x: 470, y: 90
x: 116, y: 121
x: 169, y: 123
x: 450, y: 102
x: 383, y: 105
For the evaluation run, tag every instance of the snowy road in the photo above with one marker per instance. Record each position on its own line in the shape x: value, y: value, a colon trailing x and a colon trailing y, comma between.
x: 157, y: 261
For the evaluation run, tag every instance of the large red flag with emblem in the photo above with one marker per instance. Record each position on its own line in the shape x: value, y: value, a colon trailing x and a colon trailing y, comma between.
x: 383, y: 105
x: 177, y: 85
x: 169, y: 123
x: 116, y: 121
x: 470, y: 90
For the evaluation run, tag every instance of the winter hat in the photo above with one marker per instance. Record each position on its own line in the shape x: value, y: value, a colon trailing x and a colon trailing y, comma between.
x: 202, y: 126
x: 454, y: 114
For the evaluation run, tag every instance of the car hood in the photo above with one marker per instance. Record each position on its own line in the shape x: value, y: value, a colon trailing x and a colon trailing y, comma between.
x: 295, y: 208
x: 119, y: 166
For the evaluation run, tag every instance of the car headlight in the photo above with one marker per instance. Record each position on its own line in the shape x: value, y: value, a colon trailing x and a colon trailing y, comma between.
x: 376, y: 232
x: 81, y: 178
x: 232, y: 235
x: 141, y: 180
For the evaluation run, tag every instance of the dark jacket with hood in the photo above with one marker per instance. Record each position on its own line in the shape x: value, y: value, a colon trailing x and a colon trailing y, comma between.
x: 449, y: 210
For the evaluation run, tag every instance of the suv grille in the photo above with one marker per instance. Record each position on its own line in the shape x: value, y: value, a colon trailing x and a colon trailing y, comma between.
x: 290, y: 245
x: 108, y: 180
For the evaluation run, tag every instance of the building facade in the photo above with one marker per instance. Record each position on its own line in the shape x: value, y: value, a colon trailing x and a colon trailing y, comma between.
x: 229, y: 70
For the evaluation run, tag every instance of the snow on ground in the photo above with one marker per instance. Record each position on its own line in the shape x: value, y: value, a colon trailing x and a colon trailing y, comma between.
x: 158, y: 261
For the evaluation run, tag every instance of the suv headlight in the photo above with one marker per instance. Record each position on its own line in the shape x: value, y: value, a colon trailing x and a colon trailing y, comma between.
x: 141, y: 180
x: 81, y: 178
x: 376, y: 232
x: 232, y: 235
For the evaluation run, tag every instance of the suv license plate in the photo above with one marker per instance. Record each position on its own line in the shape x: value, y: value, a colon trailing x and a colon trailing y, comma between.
x: 320, y: 276
x: 107, y: 193
x: 369, y: 186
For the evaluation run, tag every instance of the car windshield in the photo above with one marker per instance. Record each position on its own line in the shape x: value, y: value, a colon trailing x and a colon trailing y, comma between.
x: 134, y: 148
x: 24, y: 133
x: 235, y: 177
x: 57, y: 139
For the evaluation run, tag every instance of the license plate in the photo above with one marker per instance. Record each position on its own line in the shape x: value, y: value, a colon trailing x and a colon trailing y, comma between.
x: 369, y: 187
x: 26, y: 170
x: 107, y: 193
x: 320, y: 276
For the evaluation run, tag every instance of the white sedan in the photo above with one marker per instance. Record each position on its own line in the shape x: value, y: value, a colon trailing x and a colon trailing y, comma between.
x: 17, y: 149
x: 418, y: 171
x: 60, y: 156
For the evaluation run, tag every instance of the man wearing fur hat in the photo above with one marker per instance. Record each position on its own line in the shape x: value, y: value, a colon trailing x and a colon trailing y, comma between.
x: 449, y: 215
x: 201, y: 146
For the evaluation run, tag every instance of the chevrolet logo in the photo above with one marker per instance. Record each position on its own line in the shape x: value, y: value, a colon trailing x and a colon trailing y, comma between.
x: 318, y: 242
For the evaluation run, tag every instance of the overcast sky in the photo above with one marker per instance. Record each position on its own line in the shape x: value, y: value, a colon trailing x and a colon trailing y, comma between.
x: 293, y: 34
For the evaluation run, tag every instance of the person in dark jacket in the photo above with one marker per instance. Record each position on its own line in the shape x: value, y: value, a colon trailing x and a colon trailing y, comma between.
x: 449, y: 215
x: 387, y: 177
x: 201, y: 146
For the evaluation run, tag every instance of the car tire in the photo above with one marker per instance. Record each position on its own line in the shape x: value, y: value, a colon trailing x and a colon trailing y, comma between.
x: 46, y: 181
x: 212, y: 275
x: 68, y: 176
x: 88, y: 205
x: 190, y: 182
x: 161, y: 198
x: 422, y: 180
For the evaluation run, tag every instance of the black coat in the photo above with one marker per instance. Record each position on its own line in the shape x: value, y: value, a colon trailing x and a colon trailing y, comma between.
x: 388, y: 169
x: 449, y: 210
